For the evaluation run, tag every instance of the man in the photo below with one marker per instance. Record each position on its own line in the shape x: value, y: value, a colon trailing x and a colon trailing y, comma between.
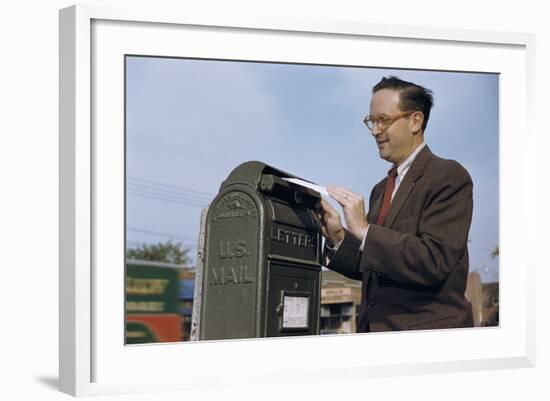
x: 410, y: 250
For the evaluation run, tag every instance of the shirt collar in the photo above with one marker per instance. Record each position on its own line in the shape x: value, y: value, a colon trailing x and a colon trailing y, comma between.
x: 404, y: 167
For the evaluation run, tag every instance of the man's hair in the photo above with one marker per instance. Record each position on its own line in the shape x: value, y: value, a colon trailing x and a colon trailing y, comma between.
x: 411, y: 96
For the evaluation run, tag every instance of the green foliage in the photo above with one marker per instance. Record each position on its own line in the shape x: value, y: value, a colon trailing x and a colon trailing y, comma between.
x: 166, y: 252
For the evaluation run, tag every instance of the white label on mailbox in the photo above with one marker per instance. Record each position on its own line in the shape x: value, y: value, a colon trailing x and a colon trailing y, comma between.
x: 295, y: 312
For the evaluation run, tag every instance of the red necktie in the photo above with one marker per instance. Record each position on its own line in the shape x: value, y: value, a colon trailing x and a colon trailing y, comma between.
x: 390, y: 184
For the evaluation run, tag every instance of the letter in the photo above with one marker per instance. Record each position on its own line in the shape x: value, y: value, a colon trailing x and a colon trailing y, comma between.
x: 246, y: 279
x: 287, y: 236
x: 224, y: 249
x: 217, y: 280
x: 232, y: 276
x: 240, y: 249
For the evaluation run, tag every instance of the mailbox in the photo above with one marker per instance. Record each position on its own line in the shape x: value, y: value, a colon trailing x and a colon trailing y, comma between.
x: 262, y: 257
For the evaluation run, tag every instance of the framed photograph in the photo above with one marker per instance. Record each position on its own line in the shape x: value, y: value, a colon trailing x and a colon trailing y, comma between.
x: 141, y: 91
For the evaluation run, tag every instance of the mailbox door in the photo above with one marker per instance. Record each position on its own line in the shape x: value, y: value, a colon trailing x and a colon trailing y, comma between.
x: 292, y: 300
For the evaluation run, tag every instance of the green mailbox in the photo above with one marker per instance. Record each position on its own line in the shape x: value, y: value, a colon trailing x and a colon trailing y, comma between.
x: 262, y: 262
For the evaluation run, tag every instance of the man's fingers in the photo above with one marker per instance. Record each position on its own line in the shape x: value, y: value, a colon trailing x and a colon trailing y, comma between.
x: 331, y: 226
x: 344, y: 196
x: 327, y: 208
x: 338, y: 196
x: 350, y: 194
x: 343, y: 191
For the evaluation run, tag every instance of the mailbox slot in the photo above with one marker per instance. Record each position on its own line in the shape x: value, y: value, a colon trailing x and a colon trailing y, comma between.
x: 276, y: 187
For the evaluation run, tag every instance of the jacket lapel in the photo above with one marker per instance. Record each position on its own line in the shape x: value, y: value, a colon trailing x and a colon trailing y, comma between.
x: 407, y: 185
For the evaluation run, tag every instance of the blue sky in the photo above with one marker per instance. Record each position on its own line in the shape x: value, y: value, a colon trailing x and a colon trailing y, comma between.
x: 190, y: 122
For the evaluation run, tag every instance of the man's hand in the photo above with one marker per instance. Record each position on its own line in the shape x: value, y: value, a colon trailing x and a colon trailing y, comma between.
x: 353, y: 206
x: 331, y: 226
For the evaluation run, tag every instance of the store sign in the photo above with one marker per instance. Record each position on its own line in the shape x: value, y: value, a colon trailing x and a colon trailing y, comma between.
x: 335, y: 295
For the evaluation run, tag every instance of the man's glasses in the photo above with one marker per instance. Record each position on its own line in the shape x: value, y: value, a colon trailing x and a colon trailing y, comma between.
x: 383, y: 121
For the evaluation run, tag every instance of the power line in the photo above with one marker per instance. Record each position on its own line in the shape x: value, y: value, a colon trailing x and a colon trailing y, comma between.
x: 162, y: 234
x: 168, y: 193
x: 159, y: 184
x: 178, y: 149
x: 166, y: 198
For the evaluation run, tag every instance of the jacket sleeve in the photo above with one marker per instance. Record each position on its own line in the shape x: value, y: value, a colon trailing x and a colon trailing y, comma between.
x: 346, y: 259
x: 427, y: 257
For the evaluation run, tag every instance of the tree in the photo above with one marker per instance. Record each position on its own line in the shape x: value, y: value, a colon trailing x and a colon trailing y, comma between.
x: 166, y: 252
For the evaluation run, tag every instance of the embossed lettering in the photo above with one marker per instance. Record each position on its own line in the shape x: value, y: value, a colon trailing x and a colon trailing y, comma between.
x: 215, y: 278
x: 230, y: 275
x: 293, y: 238
x: 234, y: 205
x: 224, y: 249
x: 240, y: 249
x: 227, y: 251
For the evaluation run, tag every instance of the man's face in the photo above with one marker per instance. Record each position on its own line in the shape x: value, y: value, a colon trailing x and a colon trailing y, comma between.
x: 401, y: 137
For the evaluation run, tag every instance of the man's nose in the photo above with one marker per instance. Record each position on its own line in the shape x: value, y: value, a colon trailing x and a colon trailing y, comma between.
x: 376, y: 130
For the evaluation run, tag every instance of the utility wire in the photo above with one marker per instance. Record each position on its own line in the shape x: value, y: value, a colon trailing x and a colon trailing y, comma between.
x: 175, y: 148
x: 162, y: 234
x: 145, y: 194
x: 169, y: 193
x: 159, y: 184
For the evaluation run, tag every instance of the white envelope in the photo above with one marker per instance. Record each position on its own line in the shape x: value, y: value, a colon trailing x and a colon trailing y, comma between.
x: 315, y: 187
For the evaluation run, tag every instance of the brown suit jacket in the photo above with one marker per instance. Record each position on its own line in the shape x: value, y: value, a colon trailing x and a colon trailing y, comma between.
x: 414, y: 268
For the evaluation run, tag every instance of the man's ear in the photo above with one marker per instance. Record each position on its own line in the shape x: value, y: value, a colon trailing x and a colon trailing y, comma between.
x: 417, y: 119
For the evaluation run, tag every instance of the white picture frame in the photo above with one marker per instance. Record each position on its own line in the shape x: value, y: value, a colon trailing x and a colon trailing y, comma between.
x: 93, y: 358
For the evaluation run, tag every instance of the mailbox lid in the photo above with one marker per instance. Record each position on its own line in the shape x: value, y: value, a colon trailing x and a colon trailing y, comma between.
x: 270, y: 181
x: 250, y: 174
x: 286, y: 214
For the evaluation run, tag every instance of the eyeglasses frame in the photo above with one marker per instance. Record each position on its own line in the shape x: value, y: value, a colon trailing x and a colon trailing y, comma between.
x: 389, y: 120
